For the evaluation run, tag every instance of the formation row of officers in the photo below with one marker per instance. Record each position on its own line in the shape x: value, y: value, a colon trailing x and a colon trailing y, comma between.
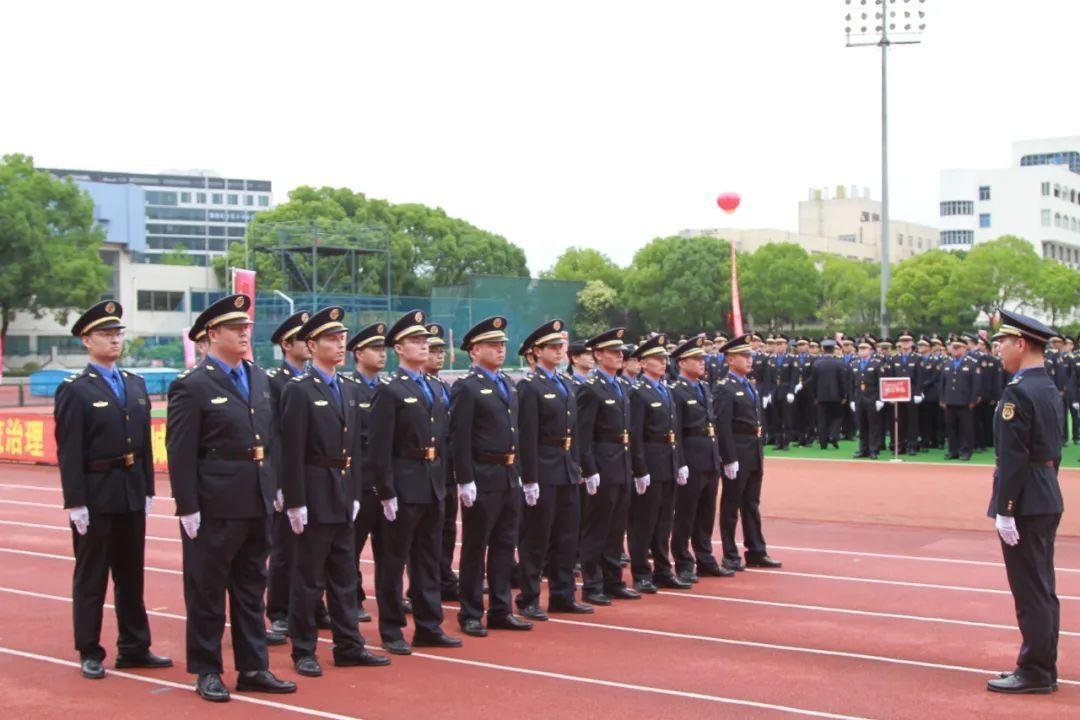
x: 289, y: 473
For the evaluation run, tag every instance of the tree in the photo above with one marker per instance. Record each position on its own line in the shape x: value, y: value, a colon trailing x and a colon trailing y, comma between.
x: 597, y: 304
x: 851, y: 291
x: 922, y: 293
x: 177, y: 256
x: 779, y: 284
x: 680, y: 285
x: 1057, y: 289
x: 585, y: 264
x: 49, y: 259
x: 995, y: 275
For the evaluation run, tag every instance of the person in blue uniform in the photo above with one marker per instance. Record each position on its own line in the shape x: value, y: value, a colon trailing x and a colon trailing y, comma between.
x: 448, y: 579
x: 107, y: 475
x: 1026, y: 502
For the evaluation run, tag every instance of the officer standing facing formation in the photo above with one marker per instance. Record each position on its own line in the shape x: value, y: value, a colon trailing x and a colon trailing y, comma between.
x: 547, y: 416
x: 483, y: 422
x: 828, y: 386
x: 1026, y: 502
x: 224, y: 485
x: 322, y: 497
x: 107, y: 473
x: 742, y: 452
x: 404, y: 447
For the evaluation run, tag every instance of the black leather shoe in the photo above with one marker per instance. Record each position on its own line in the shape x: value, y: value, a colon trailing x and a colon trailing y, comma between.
x: 965, y: 458
x: 439, y: 639
x: 273, y: 638
x: 146, y: 660
x: 92, y: 669
x: 762, y: 561
x: 264, y: 681
x: 362, y: 615
x: 733, y: 565
x: 1053, y: 685
x: 688, y: 576
x: 672, y: 583
x: 209, y: 687
x: 624, y: 593
x: 860, y: 455
x: 308, y: 666
x: 361, y: 658
x: 473, y: 628
x: 322, y: 622
x: 533, y: 612
x: 715, y: 571
x: 645, y: 587
x: 508, y: 622
x: 873, y: 456
x: 281, y: 627
x: 572, y: 607
x: 406, y: 606
x: 1016, y: 685
x: 596, y: 598
x: 397, y: 647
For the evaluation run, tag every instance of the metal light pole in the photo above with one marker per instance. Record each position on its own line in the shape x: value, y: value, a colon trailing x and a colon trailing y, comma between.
x: 906, y: 20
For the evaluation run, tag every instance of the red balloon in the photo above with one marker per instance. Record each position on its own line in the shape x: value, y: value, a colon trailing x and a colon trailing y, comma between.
x: 728, y: 201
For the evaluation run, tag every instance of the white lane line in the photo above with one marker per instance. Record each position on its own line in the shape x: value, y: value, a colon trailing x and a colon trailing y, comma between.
x: 459, y: 661
x: 298, y: 709
x: 45, y: 488
x: 47, y: 506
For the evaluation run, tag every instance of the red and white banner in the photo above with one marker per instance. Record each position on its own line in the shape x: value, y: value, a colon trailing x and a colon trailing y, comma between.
x: 897, y: 389
x: 243, y: 281
x: 736, y: 305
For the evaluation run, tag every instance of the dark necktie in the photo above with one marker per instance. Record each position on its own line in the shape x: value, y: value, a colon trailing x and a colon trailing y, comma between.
x: 559, y: 384
x: 422, y: 382
x: 118, y: 387
x: 239, y: 377
x: 618, y: 390
x: 335, y: 390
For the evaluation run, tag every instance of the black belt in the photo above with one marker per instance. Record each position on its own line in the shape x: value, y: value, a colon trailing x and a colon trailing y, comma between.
x: 425, y: 453
x: 708, y: 431
x: 495, y: 458
x: 620, y: 439
x: 117, y: 463
x: 323, y: 461
x: 667, y: 438
x: 746, y: 430
x: 1044, y: 463
x: 252, y: 454
x: 560, y: 442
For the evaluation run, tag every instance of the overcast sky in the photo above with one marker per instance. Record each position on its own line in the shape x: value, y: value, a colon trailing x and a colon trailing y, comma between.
x: 554, y: 123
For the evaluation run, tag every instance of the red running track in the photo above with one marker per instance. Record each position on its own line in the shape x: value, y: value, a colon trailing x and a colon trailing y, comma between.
x: 863, y: 621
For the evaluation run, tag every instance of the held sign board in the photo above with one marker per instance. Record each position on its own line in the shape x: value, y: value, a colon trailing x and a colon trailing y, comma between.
x: 897, y: 389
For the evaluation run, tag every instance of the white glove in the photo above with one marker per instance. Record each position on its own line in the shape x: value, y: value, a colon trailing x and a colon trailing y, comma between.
x: 532, y: 493
x: 852, y: 404
x: 766, y: 400
x: 592, y: 483
x: 731, y: 470
x: 279, y: 502
x: 149, y: 503
x: 798, y: 387
x: 790, y: 397
x: 682, y: 475
x: 191, y: 523
x: 918, y: 399
x: 80, y: 518
x: 355, y: 509
x: 389, y: 509
x: 878, y: 404
x: 641, y: 484
x: 297, y: 518
x: 1006, y: 527
x: 467, y: 492
x: 1076, y: 406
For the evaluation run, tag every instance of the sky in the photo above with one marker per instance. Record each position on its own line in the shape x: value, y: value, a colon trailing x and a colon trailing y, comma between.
x: 590, y: 122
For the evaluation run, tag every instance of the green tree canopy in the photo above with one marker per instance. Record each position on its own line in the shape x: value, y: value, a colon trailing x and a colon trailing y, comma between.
x: 850, y: 291
x: 586, y: 264
x: 921, y: 293
x: 1057, y: 289
x: 779, y: 284
x: 597, y: 305
x: 995, y: 275
x: 680, y: 285
x: 49, y: 259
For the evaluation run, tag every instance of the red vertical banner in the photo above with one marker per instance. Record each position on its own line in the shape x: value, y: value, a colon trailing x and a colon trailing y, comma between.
x: 189, y: 348
x: 244, y: 282
x: 736, y: 305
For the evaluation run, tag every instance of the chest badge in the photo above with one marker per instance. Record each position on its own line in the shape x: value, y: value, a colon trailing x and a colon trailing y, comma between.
x: 321, y: 403
x: 1008, y: 410
x: 101, y: 404
x: 410, y: 400
x: 549, y: 396
x: 219, y: 401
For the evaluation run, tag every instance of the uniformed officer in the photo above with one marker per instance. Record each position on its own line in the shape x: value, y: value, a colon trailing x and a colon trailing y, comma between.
x: 805, y: 421
x: 224, y: 483
x: 929, y: 410
x: 197, y: 335
x: 448, y: 579
x: 698, y: 476
x: 959, y: 393
x: 631, y: 367
x: 294, y: 364
x: 905, y: 363
x: 581, y: 362
x: 786, y: 378
x: 982, y: 430
x: 410, y: 483
x: 655, y: 452
x: 107, y: 473
x: 369, y: 353
x: 1026, y: 501
x: 322, y: 496
x: 484, y: 439
x: 547, y: 416
x: 866, y: 371
x: 604, y: 433
x: 848, y: 355
x: 742, y: 451
x: 828, y: 385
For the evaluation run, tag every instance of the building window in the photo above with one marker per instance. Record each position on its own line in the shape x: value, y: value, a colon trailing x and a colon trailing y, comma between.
x: 234, y: 199
x: 957, y: 207
x: 185, y: 197
x: 249, y: 200
x: 1044, y: 216
x: 161, y: 300
x: 984, y: 220
x: 264, y: 201
x: 217, y: 198
x: 17, y: 345
x: 957, y: 237
x: 200, y: 198
x: 984, y: 192
x: 157, y: 197
x: 865, y: 217
x: 1046, y: 189
x: 1057, y: 219
x: 846, y: 238
x: 64, y: 344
